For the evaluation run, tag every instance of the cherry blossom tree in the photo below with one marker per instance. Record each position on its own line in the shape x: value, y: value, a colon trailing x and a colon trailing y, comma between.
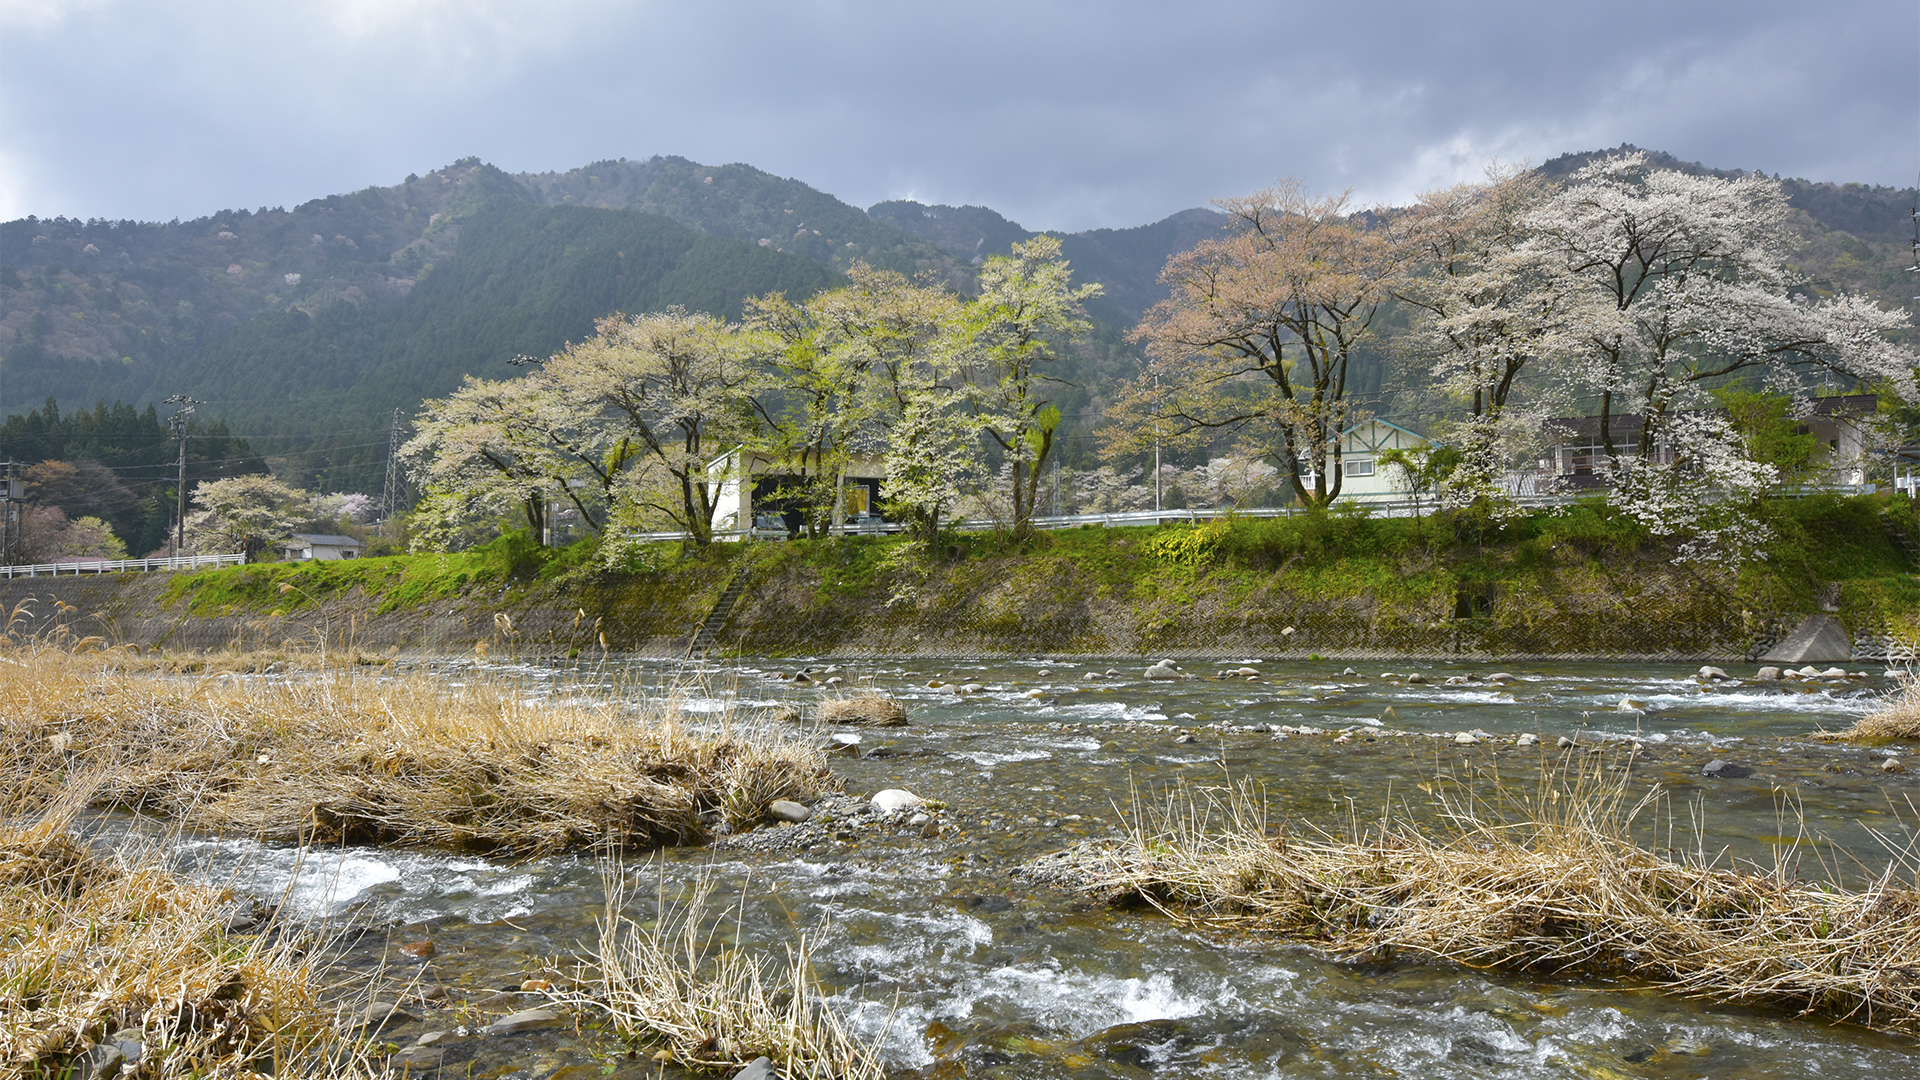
x: 1259, y: 332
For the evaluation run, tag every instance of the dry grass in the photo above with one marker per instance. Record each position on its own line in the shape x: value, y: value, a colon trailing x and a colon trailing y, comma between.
x: 1550, y: 883
x: 94, y: 945
x: 670, y: 980
x: 1896, y: 720
x: 866, y: 709
x: 354, y: 755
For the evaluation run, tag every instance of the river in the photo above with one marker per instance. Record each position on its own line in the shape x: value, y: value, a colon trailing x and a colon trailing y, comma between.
x: 930, y: 942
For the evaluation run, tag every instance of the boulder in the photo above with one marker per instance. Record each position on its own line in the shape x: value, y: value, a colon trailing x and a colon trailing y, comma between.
x: 1503, y: 678
x: 1465, y: 738
x: 1767, y: 674
x: 757, y: 1069
x: 524, y: 1020
x: 103, y: 1062
x: 1416, y: 677
x: 1724, y: 770
x: 1163, y: 671
x: 1527, y: 738
x: 1892, y: 765
x: 1819, y: 639
x: 788, y: 810
x: 1713, y: 674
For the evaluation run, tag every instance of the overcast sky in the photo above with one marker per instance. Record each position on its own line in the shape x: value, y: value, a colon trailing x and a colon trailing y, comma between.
x: 1060, y: 115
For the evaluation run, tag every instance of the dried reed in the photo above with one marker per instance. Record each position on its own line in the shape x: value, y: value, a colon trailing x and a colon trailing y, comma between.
x: 99, y: 945
x: 1552, y: 883
x: 712, y: 1006
x: 353, y: 755
x: 865, y: 709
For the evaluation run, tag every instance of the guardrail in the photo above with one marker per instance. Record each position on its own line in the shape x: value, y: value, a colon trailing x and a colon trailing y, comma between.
x: 120, y: 566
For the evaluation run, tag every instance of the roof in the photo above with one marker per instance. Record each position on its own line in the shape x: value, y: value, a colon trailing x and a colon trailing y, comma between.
x: 326, y: 539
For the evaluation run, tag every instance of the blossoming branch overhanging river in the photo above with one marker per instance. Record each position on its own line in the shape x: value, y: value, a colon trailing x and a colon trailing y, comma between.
x: 969, y: 971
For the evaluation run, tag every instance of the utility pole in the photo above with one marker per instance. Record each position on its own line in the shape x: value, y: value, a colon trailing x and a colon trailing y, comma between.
x: 178, y: 422
x: 10, y: 500
x: 390, y: 499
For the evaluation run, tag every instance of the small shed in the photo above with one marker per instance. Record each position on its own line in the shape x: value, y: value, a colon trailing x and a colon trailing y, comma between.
x: 319, y: 547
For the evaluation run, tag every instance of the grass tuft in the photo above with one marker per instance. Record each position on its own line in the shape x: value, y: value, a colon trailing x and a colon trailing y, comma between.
x: 99, y: 945
x: 1896, y: 720
x: 1553, y: 883
x: 671, y: 980
x: 866, y: 709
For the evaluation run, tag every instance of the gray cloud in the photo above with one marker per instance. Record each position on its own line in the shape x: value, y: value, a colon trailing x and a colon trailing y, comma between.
x: 1065, y: 115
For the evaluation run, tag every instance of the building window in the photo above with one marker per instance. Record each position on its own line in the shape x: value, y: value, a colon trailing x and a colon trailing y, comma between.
x: 1360, y: 466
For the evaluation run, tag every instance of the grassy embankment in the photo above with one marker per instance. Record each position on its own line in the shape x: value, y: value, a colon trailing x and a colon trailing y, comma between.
x: 1552, y: 882
x: 1584, y: 583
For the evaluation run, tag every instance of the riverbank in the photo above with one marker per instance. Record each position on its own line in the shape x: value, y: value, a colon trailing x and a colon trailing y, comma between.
x: 1582, y: 585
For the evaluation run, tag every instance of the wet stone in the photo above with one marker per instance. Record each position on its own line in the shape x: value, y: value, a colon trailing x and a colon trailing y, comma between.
x: 525, y: 1020
x: 1724, y: 770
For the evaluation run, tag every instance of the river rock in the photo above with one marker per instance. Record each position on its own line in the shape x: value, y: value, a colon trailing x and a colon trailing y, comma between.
x: 1713, y: 674
x: 524, y: 1020
x: 757, y: 1069
x: 1183, y: 737
x: 1565, y: 743
x: 788, y: 810
x: 1503, y: 678
x: 432, y: 1038
x: 1348, y: 673
x: 103, y: 1062
x: 1892, y: 765
x: 417, y: 950
x: 1416, y: 677
x: 1834, y: 673
x: 380, y: 1014
x: 1527, y: 738
x: 1724, y: 770
x: 1163, y: 671
x: 1465, y: 738
x: 895, y: 799
x: 1767, y: 674
x: 973, y: 688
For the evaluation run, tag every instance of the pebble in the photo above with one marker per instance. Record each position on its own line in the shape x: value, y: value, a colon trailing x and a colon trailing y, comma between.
x: 788, y: 810
x: 524, y: 1020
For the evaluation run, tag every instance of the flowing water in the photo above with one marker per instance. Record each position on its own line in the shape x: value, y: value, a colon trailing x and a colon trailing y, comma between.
x: 969, y: 971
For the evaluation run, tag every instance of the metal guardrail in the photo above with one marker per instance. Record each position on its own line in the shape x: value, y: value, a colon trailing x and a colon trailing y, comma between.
x: 120, y: 566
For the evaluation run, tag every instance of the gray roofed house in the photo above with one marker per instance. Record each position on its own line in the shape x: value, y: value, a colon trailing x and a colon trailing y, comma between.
x: 319, y: 547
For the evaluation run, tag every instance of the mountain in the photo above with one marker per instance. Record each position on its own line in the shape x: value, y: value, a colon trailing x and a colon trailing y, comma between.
x: 304, y: 329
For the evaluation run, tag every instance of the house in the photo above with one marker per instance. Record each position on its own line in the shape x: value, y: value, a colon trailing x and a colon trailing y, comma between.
x: 1362, y: 475
x: 1576, y: 457
x: 319, y: 547
x: 752, y: 494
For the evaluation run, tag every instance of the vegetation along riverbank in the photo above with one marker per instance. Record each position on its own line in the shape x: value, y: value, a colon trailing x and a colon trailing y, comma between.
x: 1586, y: 581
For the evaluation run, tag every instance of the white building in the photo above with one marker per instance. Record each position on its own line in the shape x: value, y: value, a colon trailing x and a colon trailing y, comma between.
x: 319, y: 547
x: 1363, y: 477
x: 751, y: 497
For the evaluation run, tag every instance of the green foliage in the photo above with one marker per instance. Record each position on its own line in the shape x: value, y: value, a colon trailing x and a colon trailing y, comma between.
x: 1773, y: 436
